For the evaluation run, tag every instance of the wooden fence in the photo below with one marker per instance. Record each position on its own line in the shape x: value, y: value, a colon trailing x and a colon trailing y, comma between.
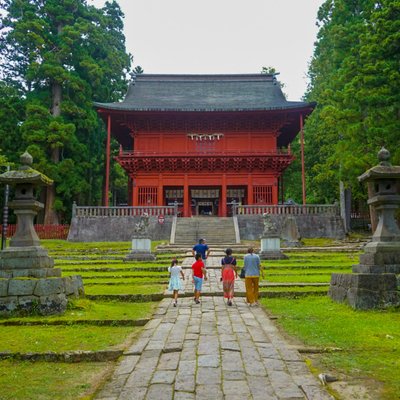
x: 43, y: 231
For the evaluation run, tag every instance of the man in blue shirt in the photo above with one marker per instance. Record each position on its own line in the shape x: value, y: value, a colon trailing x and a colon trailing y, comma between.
x: 202, y: 249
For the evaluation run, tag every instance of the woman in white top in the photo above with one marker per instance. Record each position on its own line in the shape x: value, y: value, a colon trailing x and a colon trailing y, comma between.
x: 174, y: 281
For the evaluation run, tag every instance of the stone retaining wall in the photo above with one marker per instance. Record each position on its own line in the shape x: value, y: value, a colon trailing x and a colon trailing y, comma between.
x: 115, y: 229
x: 120, y: 229
x: 309, y: 226
x: 364, y: 291
x: 44, y: 296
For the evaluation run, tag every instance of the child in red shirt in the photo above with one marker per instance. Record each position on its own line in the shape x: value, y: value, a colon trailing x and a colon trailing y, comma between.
x: 198, y: 272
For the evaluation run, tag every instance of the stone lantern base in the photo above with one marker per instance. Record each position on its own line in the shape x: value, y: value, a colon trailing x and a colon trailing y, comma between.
x: 365, y: 291
x: 29, y: 283
x: 25, y: 258
x: 380, y: 257
x: 141, y: 250
x: 43, y: 296
x: 271, y: 249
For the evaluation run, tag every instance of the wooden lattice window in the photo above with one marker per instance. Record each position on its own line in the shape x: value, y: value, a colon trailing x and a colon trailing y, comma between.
x: 262, y: 195
x: 147, y: 196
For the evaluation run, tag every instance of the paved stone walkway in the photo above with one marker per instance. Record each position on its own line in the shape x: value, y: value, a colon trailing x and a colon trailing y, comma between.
x: 211, y: 351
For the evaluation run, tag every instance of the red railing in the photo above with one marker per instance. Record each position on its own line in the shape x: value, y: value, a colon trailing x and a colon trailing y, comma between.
x: 43, y: 231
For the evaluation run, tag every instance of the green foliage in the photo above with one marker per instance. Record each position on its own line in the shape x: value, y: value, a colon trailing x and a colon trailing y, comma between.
x: 12, y: 112
x: 138, y: 70
x: 59, y: 57
x: 355, y: 81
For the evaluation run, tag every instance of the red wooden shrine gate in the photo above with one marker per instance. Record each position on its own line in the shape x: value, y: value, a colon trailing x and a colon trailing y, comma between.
x: 204, y: 142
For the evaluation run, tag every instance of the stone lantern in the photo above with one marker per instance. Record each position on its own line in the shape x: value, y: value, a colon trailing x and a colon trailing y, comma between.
x: 270, y: 241
x: 25, y: 250
x: 28, y: 279
x: 373, y: 283
x: 141, y: 244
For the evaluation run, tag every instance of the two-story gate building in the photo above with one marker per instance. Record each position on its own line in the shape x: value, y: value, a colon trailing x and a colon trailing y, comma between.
x: 204, y: 142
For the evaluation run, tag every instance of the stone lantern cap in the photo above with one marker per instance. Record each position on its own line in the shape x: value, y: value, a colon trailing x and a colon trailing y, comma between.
x: 25, y: 174
x: 384, y: 170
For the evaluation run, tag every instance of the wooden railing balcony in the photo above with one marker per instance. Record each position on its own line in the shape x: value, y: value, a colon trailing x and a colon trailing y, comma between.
x: 127, y: 211
x: 122, y: 211
x: 309, y: 209
x: 134, y: 162
x: 205, y: 153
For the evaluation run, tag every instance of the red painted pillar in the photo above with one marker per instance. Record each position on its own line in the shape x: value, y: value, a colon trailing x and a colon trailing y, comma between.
x: 130, y: 197
x: 275, y: 191
x: 222, y: 200
x: 249, y: 191
x: 133, y: 187
x: 303, y: 174
x: 108, y: 145
x: 186, y: 205
x: 160, y: 194
x: 135, y: 193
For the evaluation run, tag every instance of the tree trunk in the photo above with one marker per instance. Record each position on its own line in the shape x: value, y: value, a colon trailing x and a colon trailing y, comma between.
x: 50, y: 215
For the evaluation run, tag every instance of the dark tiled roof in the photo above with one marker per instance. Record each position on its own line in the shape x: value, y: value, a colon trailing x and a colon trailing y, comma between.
x: 203, y: 93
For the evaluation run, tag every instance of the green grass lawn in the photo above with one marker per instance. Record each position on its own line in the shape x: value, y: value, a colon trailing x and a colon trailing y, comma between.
x: 125, y: 289
x: 40, y: 339
x: 324, y: 278
x: 48, y: 381
x: 118, y: 274
x: 370, y: 340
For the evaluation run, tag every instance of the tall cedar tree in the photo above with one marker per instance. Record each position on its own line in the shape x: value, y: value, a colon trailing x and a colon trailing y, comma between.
x: 355, y: 81
x: 63, y: 55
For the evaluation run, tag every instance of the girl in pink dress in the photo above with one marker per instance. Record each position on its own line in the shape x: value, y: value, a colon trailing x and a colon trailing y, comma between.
x: 228, y: 275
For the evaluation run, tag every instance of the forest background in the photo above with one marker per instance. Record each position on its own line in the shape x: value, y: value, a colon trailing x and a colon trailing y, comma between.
x: 59, y: 56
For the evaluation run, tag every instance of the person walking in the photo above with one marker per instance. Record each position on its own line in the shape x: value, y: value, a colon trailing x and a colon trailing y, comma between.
x: 253, y: 270
x: 198, y: 272
x: 228, y: 275
x: 174, y: 281
x: 203, y: 249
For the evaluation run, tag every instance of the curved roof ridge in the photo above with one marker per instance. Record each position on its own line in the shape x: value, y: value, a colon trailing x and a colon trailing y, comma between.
x: 195, y: 92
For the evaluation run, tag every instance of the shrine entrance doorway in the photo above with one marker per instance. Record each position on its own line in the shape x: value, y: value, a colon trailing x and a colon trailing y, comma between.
x: 205, y: 208
x: 204, y: 201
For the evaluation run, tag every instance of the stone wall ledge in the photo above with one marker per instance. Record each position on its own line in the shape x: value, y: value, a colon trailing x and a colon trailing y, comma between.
x: 67, y: 357
x: 69, y: 322
x: 30, y: 273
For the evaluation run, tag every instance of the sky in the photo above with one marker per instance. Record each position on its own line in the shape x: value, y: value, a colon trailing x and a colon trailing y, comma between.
x: 222, y: 37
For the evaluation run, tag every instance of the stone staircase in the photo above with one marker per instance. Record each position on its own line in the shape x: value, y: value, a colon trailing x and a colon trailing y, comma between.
x: 214, y: 229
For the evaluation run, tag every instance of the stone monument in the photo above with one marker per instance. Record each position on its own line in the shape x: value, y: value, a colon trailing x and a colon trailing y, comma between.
x: 28, y: 280
x: 373, y: 283
x: 290, y: 232
x: 270, y: 241
x: 141, y: 244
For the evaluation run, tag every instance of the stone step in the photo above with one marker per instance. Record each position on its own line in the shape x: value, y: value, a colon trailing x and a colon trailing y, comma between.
x: 214, y: 230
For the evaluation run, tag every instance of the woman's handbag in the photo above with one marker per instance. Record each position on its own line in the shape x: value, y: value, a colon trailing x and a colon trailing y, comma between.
x: 242, y: 273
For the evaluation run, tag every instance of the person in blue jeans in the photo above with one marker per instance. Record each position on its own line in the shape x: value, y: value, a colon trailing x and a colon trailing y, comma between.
x: 203, y: 249
x: 199, y: 273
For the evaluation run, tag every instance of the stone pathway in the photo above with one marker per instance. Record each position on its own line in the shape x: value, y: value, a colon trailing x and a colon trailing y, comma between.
x: 211, y: 351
